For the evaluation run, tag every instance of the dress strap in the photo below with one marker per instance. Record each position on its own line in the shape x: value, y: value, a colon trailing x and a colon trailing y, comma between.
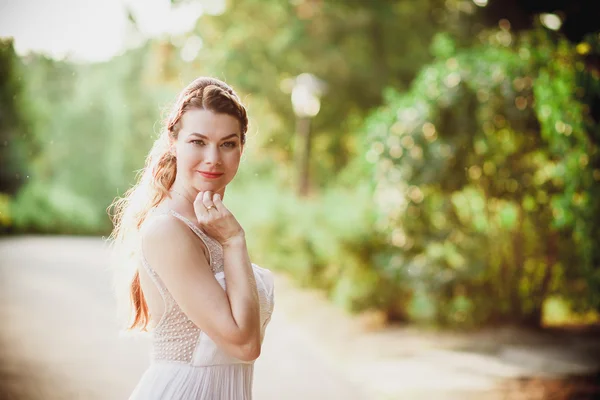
x: 215, y: 251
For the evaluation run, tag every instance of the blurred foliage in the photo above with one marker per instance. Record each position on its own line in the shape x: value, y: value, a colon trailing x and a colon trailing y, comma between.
x: 94, y: 131
x: 335, y: 253
x: 452, y: 182
x: 487, y: 172
x: 16, y: 146
x: 357, y: 48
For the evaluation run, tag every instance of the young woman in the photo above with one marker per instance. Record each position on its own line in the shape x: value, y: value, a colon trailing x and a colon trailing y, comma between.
x: 192, y: 283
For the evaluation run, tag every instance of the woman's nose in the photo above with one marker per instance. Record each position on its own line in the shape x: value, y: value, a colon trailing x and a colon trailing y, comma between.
x: 213, y: 156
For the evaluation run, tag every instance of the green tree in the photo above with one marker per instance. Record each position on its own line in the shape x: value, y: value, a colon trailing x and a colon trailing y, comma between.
x: 15, y: 145
x: 95, y: 124
x: 357, y: 48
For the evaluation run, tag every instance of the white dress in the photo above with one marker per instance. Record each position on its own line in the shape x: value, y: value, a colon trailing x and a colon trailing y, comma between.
x: 185, y: 363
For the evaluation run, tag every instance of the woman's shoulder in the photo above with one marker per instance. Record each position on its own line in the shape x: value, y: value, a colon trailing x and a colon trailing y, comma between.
x: 159, y: 225
x: 162, y: 217
x: 167, y: 239
x: 165, y: 232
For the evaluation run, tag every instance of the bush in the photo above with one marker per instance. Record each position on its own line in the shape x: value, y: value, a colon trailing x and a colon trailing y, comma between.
x: 50, y: 209
x: 487, y: 170
x: 326, y: 241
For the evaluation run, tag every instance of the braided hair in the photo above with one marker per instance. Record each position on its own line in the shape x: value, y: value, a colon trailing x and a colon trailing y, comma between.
x: 208, y: 94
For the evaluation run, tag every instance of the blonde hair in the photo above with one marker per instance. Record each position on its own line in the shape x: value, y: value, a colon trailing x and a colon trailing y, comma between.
x: 154, y: 182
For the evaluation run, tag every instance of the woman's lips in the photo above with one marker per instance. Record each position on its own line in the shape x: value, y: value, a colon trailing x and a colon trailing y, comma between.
x: 210, y: 175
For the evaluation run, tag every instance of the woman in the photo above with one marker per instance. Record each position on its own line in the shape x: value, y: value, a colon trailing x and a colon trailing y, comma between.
x: 184, y: 245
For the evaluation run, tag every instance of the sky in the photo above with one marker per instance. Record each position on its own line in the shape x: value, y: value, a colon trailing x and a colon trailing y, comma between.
x: 92, y: 30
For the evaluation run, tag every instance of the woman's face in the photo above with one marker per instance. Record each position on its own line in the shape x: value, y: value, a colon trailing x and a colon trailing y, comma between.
x: 208, y: 150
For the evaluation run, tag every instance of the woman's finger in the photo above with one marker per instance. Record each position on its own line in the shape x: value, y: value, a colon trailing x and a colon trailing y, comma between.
x: 218, y: 203
x: 199, y: 206
x: 216, y: 199
x: 207, y: 200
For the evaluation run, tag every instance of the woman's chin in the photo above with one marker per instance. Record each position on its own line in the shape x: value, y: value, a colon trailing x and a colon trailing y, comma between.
x: 204, y: 187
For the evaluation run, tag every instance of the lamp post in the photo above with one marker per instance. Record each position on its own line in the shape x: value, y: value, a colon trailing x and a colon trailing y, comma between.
x: 306, y: 92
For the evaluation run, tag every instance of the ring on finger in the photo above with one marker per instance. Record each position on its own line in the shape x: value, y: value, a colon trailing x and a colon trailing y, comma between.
x: 209, y: 207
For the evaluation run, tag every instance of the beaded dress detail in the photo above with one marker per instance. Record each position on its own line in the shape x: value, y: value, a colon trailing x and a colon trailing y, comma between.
x: 186, y: 364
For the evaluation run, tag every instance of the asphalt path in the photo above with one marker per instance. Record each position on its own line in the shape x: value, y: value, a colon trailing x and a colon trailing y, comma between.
x: 60, y: 337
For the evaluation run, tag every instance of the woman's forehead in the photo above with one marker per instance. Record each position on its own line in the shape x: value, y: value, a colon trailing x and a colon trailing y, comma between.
x: 209, y: 124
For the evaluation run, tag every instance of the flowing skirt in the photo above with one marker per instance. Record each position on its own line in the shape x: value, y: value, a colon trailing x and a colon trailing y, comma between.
x: 165, y: 380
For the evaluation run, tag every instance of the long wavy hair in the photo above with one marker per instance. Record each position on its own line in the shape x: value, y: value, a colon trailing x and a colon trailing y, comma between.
x: 129, y: 212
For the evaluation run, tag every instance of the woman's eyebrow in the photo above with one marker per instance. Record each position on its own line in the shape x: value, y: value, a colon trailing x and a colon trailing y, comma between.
x: 206, y: 137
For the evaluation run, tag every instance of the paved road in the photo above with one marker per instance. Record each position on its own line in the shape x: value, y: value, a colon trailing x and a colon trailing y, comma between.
x: 60, y: 337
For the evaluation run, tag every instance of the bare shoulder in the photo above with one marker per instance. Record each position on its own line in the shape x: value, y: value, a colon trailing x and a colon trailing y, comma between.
x: 159, y: 228
x: 167, y: 240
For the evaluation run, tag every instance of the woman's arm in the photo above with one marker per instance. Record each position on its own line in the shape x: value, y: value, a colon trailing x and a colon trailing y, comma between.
x: 242, y: 293
x: 231, y: 317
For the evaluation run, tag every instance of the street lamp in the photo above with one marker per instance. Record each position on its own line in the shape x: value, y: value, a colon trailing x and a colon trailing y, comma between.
x: 306, y: 90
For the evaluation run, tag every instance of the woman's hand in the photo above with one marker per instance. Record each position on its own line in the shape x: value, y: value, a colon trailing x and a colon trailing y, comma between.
x: 217, y: 221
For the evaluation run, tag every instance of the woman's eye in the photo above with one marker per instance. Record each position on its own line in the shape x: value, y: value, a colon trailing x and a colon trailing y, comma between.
x: 201, y: 143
